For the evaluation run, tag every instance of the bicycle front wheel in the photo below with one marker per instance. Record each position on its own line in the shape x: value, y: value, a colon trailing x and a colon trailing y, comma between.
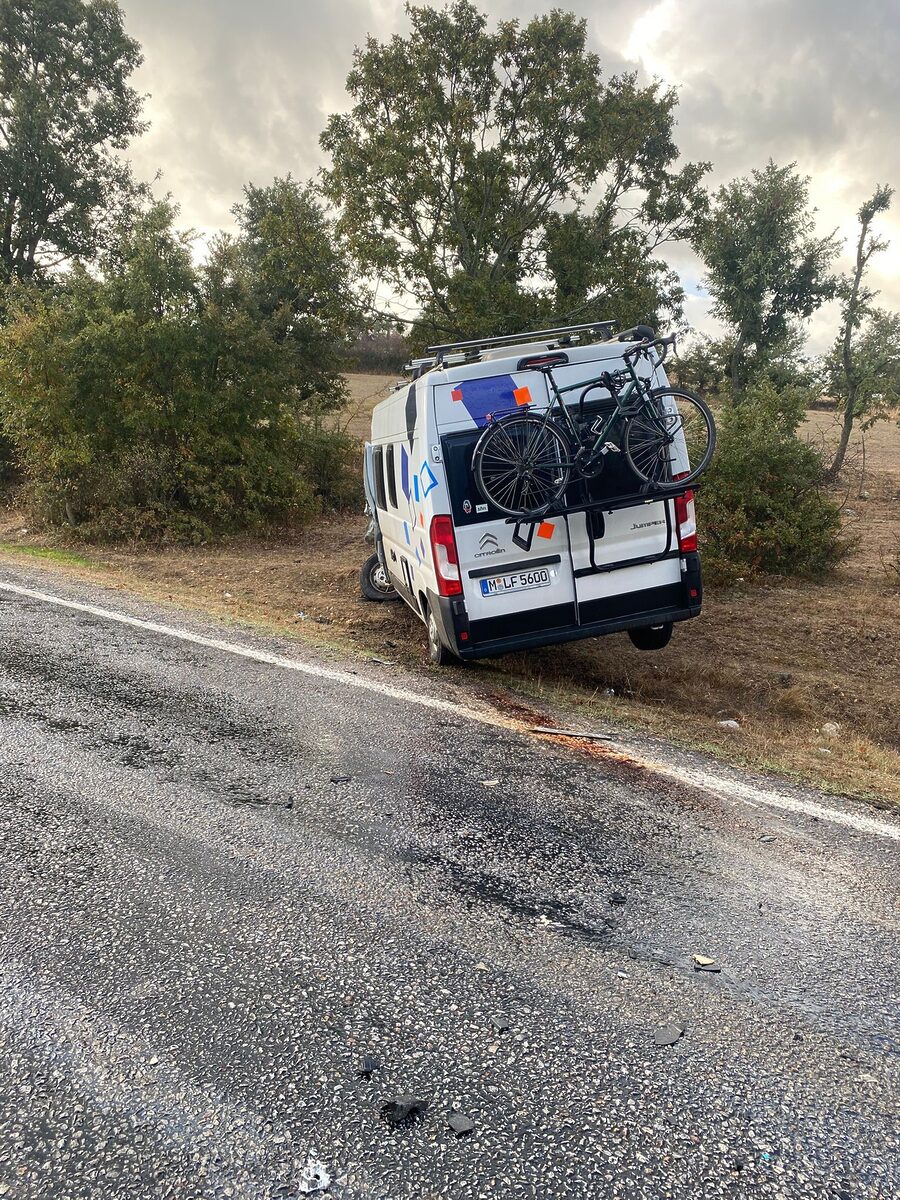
x: 670, y: 442
x: 521, y: 464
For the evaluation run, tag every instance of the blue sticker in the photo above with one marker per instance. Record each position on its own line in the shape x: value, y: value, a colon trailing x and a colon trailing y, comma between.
x: 481, y: 397
x: 404, y: 471
x: 429, y: 483
x: 406, y: 534
x: 416, y: 487
x: 418, y: 556
x: 422, y: 549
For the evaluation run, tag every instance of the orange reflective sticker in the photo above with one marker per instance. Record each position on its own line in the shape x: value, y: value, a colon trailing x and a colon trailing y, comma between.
x: 522, y: 395
x: 456, y: 394
x: 422, y: 520
x: 546, y: 529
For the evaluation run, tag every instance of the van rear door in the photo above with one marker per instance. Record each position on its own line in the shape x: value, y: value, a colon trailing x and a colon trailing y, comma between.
x: 517, y: 578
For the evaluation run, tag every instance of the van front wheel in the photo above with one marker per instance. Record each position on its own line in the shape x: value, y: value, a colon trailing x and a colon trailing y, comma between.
x: 651, y: 637
x: 437, y: 651
x: 374, y: 582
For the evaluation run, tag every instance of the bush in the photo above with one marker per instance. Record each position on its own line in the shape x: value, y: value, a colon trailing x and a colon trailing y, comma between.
x: 144, y: 405
x: 761, y: 505
x: 331, y: 461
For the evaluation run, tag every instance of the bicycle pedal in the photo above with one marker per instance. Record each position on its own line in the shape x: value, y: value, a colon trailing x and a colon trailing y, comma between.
x: 610, y: 448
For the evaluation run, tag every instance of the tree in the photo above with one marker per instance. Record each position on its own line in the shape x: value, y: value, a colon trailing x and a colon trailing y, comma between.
x: 766, y: 269
x: 864, y: 374
x: 599, y: 266
x: 462, y: 146
x: 294, y: 274
x: 65, y: 110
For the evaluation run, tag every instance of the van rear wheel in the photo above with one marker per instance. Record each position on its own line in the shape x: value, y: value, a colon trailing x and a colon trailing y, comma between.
x: 652, y: 637
x: 437, y: 651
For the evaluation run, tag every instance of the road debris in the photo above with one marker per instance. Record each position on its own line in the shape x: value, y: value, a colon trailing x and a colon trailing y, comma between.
x: 460, y: 1123
x: 703, y: 963
x: 668, y: 1034
x: 572, y: 733
x: 729, y: 724
x: 340, y: 779
x: 489, y: 782
x: 314, y: 1178
x: 500, y: 1023
x: 381, y: 662
x: 404, y: 1110
x: 617, y: 898
x: 368, y: 1065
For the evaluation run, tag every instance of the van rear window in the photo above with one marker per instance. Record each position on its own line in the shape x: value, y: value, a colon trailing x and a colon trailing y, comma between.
x: 391, y: 475
x: 378, y: 463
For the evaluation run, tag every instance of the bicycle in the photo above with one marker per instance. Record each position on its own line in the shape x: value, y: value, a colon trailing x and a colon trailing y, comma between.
x: 523, y: 462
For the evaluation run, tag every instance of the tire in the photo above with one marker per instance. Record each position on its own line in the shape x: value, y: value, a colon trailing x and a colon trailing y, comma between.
x: 647, y: 448
x: 437, y: 651
x: 652, y: 637
x: 521, y: 464
x: 374, y: 582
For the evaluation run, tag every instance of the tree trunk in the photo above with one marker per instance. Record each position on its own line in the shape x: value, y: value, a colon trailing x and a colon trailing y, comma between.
x: 846, y: 429
x: 737, y: 388
x: 850, y: 383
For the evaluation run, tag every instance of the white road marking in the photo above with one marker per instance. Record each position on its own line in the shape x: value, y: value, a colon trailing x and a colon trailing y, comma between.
x: 718, y: 785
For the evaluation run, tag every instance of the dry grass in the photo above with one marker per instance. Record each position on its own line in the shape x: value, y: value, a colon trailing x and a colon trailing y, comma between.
x: 781, y: 657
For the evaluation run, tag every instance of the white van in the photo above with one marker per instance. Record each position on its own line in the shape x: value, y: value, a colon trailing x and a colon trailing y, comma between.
x: 609, y: 558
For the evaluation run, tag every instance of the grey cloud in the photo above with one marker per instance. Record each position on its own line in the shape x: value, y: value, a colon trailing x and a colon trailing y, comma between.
x: 241, y: 91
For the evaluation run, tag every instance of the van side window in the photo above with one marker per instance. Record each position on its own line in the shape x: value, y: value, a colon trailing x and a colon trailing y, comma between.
x: 378, y: 464
x: 391, y: 475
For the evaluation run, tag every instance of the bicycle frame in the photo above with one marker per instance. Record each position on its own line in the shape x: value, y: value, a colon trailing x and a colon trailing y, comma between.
x: 620, y: 412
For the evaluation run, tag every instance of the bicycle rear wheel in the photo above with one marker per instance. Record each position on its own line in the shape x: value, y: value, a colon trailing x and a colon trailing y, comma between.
x: 671, y: 445
x: 521, y: 464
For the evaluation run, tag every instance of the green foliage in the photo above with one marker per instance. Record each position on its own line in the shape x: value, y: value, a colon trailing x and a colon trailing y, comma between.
x: 153, y: 403
x: 464, y: 143
x: 761, y: 506
x: 875, y: 368
x: 65, y: 111
x: 705, y: 367
x: 766, y: 271
x: 291, y: 271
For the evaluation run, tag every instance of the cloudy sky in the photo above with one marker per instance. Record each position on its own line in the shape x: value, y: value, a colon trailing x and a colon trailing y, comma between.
x: 240, y: 91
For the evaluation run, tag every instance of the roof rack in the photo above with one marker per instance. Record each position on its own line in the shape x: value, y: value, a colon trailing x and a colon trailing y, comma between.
x: 561, y: 333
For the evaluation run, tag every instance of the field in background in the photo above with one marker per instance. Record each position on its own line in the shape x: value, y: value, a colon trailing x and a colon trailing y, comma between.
x: 783, y: 658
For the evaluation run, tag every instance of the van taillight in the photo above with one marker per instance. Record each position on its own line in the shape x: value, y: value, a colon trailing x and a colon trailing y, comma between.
x: 686, y: 521
x: 446, y: 560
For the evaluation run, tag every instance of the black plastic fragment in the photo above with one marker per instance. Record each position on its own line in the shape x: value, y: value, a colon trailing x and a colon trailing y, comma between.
x: 403, y: 1109
x: 617, y: 898
x: 460, y: 1123
x: 500, y: 1022
x: 340, y: 779
x: 368, y: 1065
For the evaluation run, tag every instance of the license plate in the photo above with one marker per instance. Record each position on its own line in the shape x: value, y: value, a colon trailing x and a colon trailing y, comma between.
x: 519, y: 582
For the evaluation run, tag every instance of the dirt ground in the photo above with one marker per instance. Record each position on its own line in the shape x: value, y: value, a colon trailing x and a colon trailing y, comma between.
x: 782, y: 657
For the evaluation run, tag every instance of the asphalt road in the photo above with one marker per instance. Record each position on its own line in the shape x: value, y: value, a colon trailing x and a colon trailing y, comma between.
x: 226, y: 876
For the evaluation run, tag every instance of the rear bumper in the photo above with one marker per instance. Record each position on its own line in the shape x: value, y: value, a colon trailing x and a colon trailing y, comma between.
x: 564, y: 623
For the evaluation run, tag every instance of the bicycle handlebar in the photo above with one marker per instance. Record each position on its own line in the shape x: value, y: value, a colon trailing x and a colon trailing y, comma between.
x: 660, y: 344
